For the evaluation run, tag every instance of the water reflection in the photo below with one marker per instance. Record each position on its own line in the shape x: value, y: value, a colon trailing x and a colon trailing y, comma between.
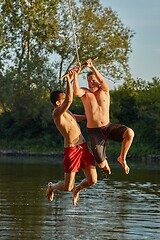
x: 121, y: 207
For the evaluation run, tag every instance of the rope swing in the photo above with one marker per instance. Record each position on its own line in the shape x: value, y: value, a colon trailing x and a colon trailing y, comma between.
x: 75, y: 41
x: 74, y: 33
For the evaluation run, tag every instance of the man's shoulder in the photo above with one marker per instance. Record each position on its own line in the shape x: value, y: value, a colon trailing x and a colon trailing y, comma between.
x: 84, y: 88
x: 106, y: 92
x: 56, y: 113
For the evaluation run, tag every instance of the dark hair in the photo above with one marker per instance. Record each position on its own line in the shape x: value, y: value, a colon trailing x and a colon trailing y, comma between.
x: 89, y: 73
x: 54, y: 96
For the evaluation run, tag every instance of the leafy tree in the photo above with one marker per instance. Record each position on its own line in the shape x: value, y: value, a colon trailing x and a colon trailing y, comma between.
x: 105, y: 37
x: 148, y: 101
x: 38, y: 27
x: 27, y: 27
x: 124, y: 108
x: 137, y: 104
x: 37, y: 48
x: 123, y: 103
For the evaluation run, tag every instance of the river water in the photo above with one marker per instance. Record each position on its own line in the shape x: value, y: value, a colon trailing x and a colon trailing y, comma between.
x: 121, y: 207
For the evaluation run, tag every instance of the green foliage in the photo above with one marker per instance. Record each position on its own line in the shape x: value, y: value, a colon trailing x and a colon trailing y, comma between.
x: 105, y: 37
x: 43, y: 27
x: 123, y: 107
x: 137, y: 104
x: 144, y: 104
x: 37, y: 47
x: 148, y: 102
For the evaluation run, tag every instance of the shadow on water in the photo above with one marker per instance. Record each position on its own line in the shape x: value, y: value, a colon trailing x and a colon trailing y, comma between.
x: 121, y: 207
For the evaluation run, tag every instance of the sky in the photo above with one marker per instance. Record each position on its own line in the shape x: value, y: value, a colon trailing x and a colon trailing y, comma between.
x: 143, y: 17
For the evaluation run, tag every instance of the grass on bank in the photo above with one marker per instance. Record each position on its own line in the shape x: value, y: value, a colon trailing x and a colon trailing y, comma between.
x: 49, y: 146
x: 27, y: 145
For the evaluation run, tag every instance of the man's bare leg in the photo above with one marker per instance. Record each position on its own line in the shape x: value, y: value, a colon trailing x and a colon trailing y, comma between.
x: 127, y: 141
x: 50, y: 193
x: 124, y: 165
x: 91, y: 179
x: 105, y: 166
x: 53, y: 187
x: 66, y: 185
x: 76, y: 191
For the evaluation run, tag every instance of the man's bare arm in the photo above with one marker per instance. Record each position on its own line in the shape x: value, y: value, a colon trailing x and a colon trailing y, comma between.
x: 79, y: 118
x: 99, y: 77
x: 79, y: 92
x: 68, y: 99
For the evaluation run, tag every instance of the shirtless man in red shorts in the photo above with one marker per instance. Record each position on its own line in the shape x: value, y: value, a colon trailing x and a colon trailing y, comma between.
x: 76, y: 152
x: 96, y: 102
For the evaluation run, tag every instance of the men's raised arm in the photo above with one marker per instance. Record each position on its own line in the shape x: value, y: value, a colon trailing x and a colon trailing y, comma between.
x: 79, y: 92
x: 68, y: 98
x: 99, y: 77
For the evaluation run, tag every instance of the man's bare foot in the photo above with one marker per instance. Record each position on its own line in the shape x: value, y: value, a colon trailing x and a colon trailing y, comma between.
x: 107, y: 169
x: 50, y: 193
x: 75, y: 196
x: 123, y: 164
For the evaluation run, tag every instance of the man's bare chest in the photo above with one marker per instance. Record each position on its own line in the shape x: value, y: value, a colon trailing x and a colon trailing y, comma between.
x: 96, y: 100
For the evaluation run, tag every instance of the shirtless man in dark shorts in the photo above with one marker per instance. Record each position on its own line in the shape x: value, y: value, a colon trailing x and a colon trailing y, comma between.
x: 96, y: 101
x: 76, y: 152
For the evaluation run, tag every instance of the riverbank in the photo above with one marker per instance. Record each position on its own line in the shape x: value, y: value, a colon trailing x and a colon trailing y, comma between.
x: 14, y: 153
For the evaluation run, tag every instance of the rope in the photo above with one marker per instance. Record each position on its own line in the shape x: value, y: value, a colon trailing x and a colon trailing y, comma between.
x: 74, y: 34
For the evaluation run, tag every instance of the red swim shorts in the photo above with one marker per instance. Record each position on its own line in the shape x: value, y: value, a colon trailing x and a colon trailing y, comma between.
x: 77, y: 157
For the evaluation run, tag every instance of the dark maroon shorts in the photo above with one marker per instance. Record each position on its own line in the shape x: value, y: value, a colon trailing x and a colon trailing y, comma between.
x: 99, y: 137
